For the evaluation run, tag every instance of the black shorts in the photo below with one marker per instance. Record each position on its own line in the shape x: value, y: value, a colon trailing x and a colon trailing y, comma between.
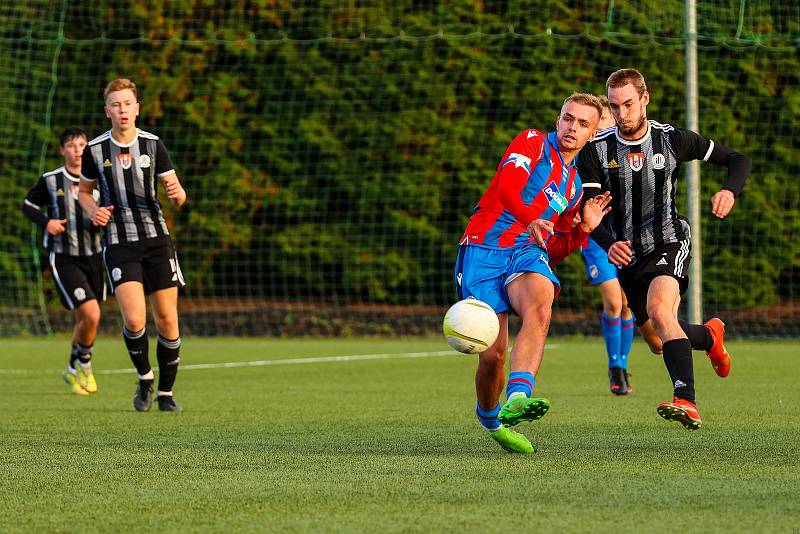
x: 668, y: 260
x: 153, y: 262
x: 78, y: 279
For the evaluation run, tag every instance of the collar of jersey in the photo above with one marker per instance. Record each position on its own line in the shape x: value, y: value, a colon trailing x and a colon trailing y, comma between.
x: 70, y: 177
x: 639, y: 141
x: 111, y: 136
x: 552, y: 139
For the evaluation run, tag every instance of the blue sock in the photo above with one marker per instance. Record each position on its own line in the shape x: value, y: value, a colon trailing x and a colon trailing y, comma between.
x: 612, y: 332
x: 626, y: 341
x: 488, y: 418
x: 520, y: 381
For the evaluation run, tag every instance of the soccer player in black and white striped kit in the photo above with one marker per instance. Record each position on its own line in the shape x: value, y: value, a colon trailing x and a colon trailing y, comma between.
x: 75, y: 254
x: 125, y: 163
x: 639, y: 163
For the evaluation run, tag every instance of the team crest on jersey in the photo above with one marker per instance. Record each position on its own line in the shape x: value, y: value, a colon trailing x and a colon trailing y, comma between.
x: 572, y: 191
x: 125, y: 160
x: 659, y: 161
x: 144, y: 161
x: 636, y: 160
x: 557, y: 200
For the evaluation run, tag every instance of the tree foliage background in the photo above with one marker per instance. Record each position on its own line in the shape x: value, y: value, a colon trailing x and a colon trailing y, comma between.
x: 333, y: 151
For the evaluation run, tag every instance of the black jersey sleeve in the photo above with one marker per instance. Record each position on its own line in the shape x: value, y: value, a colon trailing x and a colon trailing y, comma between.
x: 163, y: 161
x: 89, y: 168
x: 591, y: 172
x: 690, y: 146
x: 35, y: 200
x: 594, y: 183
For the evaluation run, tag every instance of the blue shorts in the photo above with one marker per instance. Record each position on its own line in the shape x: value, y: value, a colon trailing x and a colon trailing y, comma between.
x: 598, y: 268
x: 484, y: 273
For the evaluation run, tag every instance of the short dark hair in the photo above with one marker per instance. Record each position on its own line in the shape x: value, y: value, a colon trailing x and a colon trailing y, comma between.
x: 69, y: 134
x: 623, y: 77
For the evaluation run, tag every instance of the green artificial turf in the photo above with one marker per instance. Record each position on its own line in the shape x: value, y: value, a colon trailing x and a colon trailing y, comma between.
x: 391, y: 444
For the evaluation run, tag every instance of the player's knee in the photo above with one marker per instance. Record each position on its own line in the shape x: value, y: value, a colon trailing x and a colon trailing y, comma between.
x: 612, y: 306
x: 167, y: 325
x: 494, y: 358
x: 135, y: 323
x: 90, y: 315
x: 661, y: 316
x: 537, y: 316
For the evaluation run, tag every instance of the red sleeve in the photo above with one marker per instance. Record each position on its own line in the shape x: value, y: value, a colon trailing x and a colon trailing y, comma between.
x: 521, y: 157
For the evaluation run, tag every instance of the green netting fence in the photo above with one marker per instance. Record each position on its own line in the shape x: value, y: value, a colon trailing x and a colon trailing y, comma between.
x: 332, y: 151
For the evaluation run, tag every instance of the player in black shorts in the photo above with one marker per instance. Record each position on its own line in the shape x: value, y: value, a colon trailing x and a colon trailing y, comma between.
x: 126, y: 163
x: 639, y: 163
x: 75, y: 254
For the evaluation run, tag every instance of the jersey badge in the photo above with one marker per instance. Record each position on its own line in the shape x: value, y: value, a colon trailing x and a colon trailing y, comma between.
x: 106, y: 163
x: 572, y: 191
x: 144, y: 161
x: 557, y: 200
x: 612, y: 164
x: 531, y: 133
x: 659, y: 161
x: 125, y: 160
x: 636, y: 160
x: 60, y: 192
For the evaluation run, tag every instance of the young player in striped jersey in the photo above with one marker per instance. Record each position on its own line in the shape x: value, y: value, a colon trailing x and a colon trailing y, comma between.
x: 503, y: 259
x: 74, y: 247
x: 140, y: 256
x: 616, y: 320
x: 639, y: 162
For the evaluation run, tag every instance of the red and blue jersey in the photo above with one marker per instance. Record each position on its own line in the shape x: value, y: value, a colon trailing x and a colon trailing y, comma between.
x: 531, y: 183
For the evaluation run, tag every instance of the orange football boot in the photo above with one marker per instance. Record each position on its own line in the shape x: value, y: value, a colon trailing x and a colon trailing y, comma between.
x: 720, y: 359
x: 681, y: 410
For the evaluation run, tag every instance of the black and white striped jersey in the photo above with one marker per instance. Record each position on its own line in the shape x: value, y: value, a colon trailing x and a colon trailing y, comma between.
x: 126, y: 176
x: 57, y: 191
x: 642, y: 178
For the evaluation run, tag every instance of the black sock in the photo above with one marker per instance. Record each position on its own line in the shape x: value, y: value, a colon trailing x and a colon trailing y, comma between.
x: 168, y: 353
x: 138, y: 349
x: 73, y: 355
x: 678, y: 359
x: 699, y: 336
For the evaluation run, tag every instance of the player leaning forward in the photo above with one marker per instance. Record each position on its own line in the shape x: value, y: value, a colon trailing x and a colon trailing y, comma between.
x: 639, y: 162
x: 503, y: 258
x: 140, y: 256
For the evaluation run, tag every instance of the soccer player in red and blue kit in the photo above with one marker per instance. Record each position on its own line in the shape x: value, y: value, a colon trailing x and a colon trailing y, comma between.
x: 503, y: 258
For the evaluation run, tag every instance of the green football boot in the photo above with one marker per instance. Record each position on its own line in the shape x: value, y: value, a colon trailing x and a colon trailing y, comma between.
x: 512, y: 441
x: 521, y: 408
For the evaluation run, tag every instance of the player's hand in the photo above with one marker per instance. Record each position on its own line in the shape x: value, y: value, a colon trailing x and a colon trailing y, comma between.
x: 594, y: 210
x: 620, y: 253
x: 175, y: 192
x: 56, y: 226
x: 722, y: 203
x: 537, y: 229
x: 102, y: 215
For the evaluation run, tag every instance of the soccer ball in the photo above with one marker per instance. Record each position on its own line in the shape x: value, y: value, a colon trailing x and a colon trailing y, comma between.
x: 470, y: 326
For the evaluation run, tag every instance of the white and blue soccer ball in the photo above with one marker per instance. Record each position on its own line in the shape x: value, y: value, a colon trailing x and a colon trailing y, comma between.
x: 470, y: 326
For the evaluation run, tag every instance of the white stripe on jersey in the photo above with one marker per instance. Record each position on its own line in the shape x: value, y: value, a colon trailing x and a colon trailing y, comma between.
x: 710, y: 149
x: 147, y: 135
x: 99, y: 138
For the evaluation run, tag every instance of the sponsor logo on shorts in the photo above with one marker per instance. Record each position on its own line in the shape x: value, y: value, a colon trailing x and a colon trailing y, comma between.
x: 79, y: 293
x: 116, y: 274
x: 593, y: 271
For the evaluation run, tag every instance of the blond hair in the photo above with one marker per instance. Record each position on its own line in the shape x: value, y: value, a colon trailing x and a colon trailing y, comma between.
x: 604, y: 102
x: 623, y: 77
x: 587, y: 100
x: 120, y: 84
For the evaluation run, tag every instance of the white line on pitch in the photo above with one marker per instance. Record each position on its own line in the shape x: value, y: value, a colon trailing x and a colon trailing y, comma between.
x: 262, y: 363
